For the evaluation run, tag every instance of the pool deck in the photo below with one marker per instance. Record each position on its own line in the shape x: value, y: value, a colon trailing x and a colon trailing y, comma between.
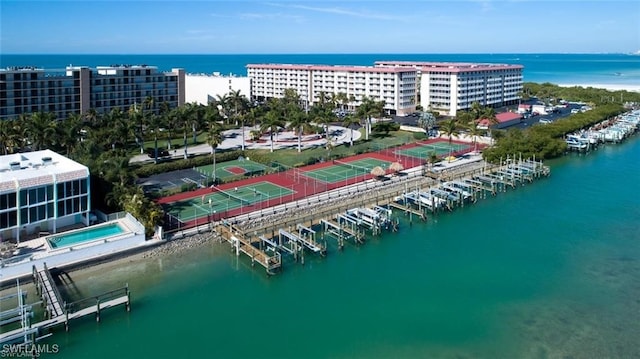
x: 38, y: 250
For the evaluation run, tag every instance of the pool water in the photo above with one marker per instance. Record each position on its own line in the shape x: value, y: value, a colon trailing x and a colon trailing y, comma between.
x: 85, y: 235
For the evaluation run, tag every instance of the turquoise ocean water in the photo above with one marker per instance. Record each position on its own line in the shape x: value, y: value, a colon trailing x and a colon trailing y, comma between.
x: 555, y: 68
x: 549, y: 270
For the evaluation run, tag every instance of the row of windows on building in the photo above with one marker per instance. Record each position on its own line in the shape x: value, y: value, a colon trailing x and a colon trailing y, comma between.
x: 37, y: 213
x: 29, y: 196
x: 37, y: 203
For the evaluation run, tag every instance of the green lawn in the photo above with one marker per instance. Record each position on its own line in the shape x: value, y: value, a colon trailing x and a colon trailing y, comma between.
x: 292, y: 157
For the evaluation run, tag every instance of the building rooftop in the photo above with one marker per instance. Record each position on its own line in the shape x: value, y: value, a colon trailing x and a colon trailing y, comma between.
x: 329, y: 68
x: 29, y: 169
x: 449, y: 66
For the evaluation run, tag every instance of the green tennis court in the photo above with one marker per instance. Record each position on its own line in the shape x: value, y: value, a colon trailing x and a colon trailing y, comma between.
x: 341, y: 171
x: 424, y: 150
x: 235, y: 168
x: 219, y: 201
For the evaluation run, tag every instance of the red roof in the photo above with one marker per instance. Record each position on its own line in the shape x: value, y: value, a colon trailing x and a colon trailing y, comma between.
x: 452, y: 67
x: 333, y: 68
x: 502, y: 117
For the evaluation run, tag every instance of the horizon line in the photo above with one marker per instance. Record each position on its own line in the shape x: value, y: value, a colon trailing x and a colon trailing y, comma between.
x: 326, y: 53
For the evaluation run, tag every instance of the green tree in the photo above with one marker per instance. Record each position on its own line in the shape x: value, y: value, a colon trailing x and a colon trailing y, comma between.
x: 68, y: 132
x: 136, y: 116
x: 271, y: 122
x: 155, y: 122
x: 297, y: 122
x: 349, y: 121
x: 367, y: 109
x: 40, y: 130
x: 427, y: 120
x: 450, y: 128
x: 214, y: 139
x: 11, y: 136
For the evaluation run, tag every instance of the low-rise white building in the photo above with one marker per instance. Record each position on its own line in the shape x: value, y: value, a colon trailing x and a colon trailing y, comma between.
x: 396, y: 87
x: 41, y: 191
x: 203, y: 88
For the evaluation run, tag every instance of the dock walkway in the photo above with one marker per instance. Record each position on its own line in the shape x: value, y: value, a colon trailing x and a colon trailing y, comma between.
x: 48, y: 291
x: 59, y: 312
x: 244, y: 245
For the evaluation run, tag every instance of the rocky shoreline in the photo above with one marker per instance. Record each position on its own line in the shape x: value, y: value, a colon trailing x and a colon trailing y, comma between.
x: 177, y: 245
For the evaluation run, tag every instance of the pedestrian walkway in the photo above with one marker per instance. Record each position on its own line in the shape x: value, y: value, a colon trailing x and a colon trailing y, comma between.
x: 285, y: 139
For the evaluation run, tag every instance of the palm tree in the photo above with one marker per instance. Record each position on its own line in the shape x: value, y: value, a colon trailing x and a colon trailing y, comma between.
x: 238, y: 102
x: 222, y: 103
x: 115, y: 168
x: 214, y: 139
x: 172, y: 122
x: 185, y: 121
x: 271, y: 122
x: 476, y: 109
x: 10, y: 135
x: 342, y: 99
x: 297, y: 122
x: 136, y: 116
x: 368, y: 108
x: 450, y: 128
x: 92, y: 117
x: 123, y: 128
x: 68, y: 132
x: 155, y: 122
x: 148, y: 104
x: 490, y: 114
x: 194, y: 114
x: 474, y: 132
x: 348, y: 122
x: 40, y: 129
x: 321, y: 116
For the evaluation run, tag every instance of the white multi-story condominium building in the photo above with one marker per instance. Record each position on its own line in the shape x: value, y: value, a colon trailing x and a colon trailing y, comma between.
x: 395, y: 86
x: 452, y: 86
x: 76, y: 89
x: 41, y: 191
x: 203, y: 88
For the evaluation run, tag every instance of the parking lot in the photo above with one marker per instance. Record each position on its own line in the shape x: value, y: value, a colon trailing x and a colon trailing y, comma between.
x: 526, y: 122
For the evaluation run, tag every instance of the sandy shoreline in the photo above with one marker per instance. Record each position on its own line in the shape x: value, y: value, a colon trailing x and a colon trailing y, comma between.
x: 610, y: 87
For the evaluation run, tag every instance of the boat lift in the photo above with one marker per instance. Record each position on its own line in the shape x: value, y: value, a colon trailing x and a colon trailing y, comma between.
x: 301, y: 240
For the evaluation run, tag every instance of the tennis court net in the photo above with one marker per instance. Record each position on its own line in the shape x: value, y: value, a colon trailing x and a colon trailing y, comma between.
x: 352, y: 166
x: 233, y: 197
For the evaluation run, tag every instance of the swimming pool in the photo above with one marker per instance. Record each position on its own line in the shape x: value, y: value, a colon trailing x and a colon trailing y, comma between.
x: 85, y: 235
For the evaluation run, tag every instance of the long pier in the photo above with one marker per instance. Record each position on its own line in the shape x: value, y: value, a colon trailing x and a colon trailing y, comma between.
x: 450, y: 189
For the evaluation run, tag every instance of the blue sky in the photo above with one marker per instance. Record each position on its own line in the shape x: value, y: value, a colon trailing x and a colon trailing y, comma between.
x: 286, y: 26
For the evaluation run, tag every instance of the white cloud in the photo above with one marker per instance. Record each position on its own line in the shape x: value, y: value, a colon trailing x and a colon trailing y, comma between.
x: 271, y: 16
x: 343, y: 11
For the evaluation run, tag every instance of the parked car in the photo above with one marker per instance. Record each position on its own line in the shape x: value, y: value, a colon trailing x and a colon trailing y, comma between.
x: 151, y: 152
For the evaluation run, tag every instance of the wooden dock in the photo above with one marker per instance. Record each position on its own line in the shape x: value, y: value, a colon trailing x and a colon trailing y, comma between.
x: 258, y: 238
x: 408, y: 210
x: 245, y: 245
x: 48, y: 291
x: 59, y: 312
